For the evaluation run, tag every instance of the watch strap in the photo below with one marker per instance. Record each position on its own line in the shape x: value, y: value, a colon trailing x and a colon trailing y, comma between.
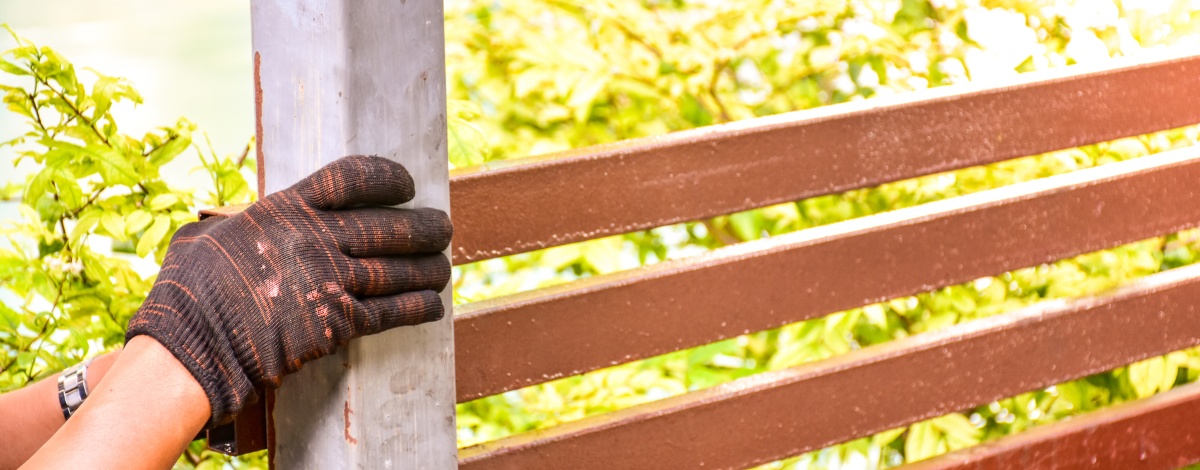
x: 72, y: 388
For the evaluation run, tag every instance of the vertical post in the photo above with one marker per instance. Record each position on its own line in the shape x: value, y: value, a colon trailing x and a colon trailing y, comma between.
x: 342, y: 77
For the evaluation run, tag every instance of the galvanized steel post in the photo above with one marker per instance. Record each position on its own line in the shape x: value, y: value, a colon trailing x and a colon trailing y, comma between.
x: 335, y: 78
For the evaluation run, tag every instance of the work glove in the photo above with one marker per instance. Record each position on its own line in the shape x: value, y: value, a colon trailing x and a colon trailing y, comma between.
x: 245, y: 299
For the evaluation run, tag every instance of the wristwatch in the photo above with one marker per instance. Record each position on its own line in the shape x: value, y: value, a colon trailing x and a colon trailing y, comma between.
x: 72, y: 388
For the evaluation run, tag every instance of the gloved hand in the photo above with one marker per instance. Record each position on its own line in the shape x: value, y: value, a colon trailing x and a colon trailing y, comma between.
x: 247, y: 299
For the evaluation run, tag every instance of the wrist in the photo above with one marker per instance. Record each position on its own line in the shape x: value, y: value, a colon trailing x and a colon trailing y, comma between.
x: 75, y: 383
x: 198, y: 351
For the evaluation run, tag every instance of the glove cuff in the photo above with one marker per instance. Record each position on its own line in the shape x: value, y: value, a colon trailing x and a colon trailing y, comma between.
x: 191, y: 340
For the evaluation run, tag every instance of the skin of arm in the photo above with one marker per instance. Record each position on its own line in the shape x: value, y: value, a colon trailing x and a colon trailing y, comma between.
x: 146, y: 382
x: 29, y: 416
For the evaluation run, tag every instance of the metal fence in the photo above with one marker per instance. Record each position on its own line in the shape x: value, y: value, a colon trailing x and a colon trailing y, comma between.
x: 529, y: 338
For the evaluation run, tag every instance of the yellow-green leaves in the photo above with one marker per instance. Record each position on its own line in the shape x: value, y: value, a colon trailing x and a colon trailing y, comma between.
x: 107, y: 89
x: 228, y: 174
x: 468, y: 146
x: 170, y: 143
x: 114, y: 224
x: 1157, y: 374
x: 93, y: 191
x: 154, y: 235
x: 940, y: 435
x: 135, y: 222
x: 163, y: 201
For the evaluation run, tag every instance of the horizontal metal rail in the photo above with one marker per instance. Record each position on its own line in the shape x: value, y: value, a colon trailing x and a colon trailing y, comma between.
x: 785, y: 413
x: 521, y: 205
x: 525, y: 339
x: 1159, y: 432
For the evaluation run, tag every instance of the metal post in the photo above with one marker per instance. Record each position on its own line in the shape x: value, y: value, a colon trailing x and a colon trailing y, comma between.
x: 335, y: 78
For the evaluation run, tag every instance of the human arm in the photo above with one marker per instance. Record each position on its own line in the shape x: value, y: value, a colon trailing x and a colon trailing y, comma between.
x: 29, y: 416
x: 141, y: 416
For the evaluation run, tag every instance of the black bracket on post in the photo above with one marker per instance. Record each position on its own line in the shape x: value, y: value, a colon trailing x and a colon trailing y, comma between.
x: 248, y: 432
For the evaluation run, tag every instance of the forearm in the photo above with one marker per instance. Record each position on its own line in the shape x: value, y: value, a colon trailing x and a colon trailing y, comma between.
x: 29, y: 416
x: 142, y: 415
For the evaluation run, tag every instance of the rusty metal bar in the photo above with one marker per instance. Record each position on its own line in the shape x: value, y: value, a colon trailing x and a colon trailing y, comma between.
x: 522, y: 205
x: 784, y: 413
x: 529, y: 338
x: 1160, y: 432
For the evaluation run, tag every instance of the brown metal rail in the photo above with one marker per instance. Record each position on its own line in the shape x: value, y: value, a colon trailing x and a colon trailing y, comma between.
x: 517, y: 206
x: 530, y: 338
x: 522, y: 205
x: 785, y: 413
x: 1160, y: 432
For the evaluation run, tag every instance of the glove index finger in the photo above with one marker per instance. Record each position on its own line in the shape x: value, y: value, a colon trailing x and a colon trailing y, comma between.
x: 357, y: 180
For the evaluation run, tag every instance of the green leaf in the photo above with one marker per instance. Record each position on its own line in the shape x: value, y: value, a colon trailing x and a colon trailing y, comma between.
x: 1146, y: 376
x: 958, y: 430
x: 13, y: 69
x: 886, y: 437
x: 114, y: 224
x: 467, y: 144
x: 87, y: 221
x: 136, y: 221
x: 604, y: 255
x: 67, y: 188
x: 746, y: 225
x: 163, y: 201
x: 180, y: 217
x: 463, y: 109
x: 115, y: 168
x: 39, y: 186
x: 922, y: 442
x: 559, y: 257
x: 694, y: 112
x: 876, y: 315
x: 154, y: 235
x: 174, y: 146
x: 102, y: 92
x: 26, y: 359
x: 584, y: 94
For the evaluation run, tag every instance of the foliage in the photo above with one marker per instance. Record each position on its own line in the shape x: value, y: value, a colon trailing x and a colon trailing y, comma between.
x: 96, y: 215
x: 555, y: 74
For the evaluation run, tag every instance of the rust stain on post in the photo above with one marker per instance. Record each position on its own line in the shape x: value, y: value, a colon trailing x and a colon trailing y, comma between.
x: 258, y: 126
x: 346, y: 414
x: 254, y: 429
x: 530, y: 338
x: 779, y: 414
x: 515, y: 206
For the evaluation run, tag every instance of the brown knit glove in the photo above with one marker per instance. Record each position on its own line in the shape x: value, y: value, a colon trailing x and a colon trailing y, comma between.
x: 247, y: 299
